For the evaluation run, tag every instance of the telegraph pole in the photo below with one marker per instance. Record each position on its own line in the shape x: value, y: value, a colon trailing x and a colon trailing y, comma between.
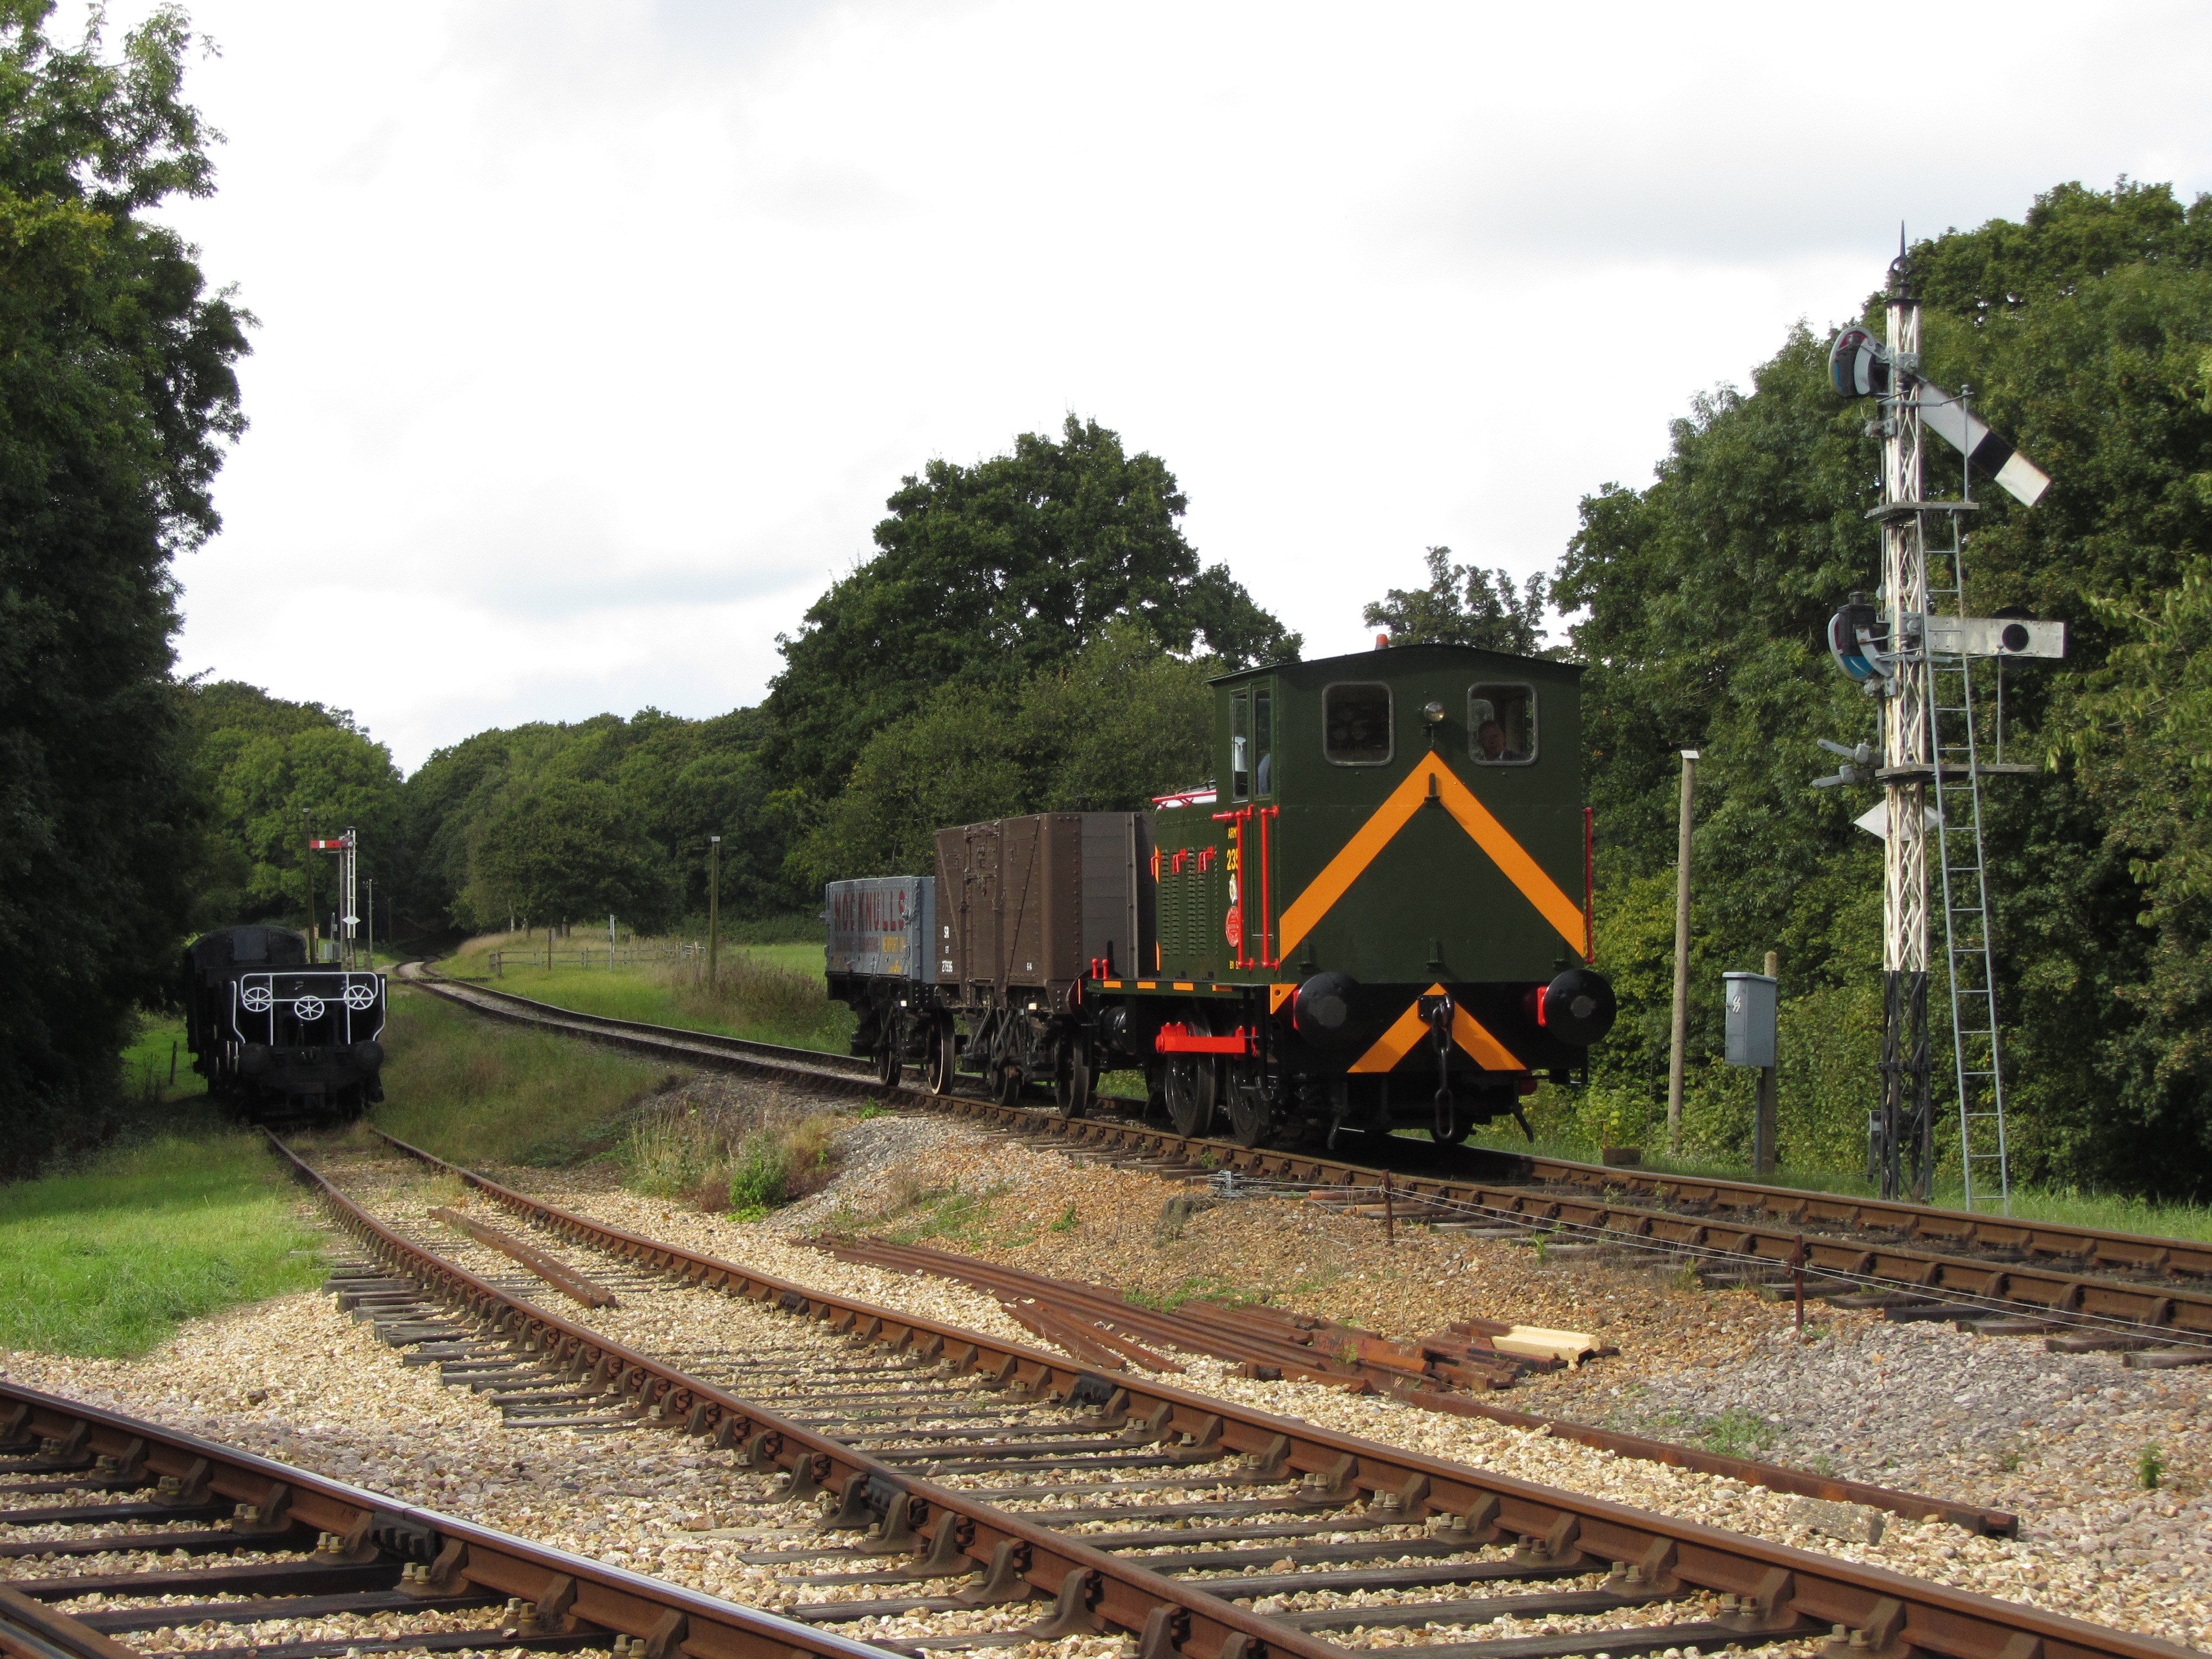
x: 308, y: 873
x: 1903, y: 1149
x: 1680, y: 1033
x: 713, y: 905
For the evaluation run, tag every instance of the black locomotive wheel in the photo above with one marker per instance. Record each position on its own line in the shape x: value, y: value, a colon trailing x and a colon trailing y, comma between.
x: 888, y: 1068
x: 1192, y: 1082
x: 1251, y: 1115
x: 1073, y: 1074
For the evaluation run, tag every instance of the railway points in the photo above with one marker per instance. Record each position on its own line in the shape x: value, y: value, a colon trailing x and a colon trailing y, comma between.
x: 1290, y: 1469
x: 2116, y: 1289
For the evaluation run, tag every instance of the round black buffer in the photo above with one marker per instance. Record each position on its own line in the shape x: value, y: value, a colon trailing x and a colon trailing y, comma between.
x: 1577, y: 1007
x: 1320, y: 1012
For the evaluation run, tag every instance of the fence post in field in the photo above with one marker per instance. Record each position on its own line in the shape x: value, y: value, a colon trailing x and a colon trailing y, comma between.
x: 713, y: 908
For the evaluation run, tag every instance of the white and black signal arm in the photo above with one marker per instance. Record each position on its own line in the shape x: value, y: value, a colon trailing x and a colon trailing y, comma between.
x: 1860, y: 366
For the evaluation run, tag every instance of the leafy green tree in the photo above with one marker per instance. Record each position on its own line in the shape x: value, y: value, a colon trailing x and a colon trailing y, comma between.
x: 2083, y: 333
x: 564, y: 850
x: 270, y: 772
x: 991, y: 572
x: 1121, y: 722
x: 116, y: 397
x: 1465, y: 604
x: 676, y: 782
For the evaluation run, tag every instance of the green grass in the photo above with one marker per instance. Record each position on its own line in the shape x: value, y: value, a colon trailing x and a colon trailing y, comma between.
x: 157, y: 1067
x: 107, y: 1260
x: 764, y: 993
x: 477, y: 1090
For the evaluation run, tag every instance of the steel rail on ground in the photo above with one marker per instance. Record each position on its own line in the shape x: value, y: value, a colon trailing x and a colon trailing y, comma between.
x: 910, y: 1512
x: 1775, y: 1223
x: 1246, y: 1429
x: 412, y: 1554
x: 1782, y: 1593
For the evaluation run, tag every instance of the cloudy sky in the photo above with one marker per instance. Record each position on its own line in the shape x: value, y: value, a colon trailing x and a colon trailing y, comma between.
x: 594, y: 332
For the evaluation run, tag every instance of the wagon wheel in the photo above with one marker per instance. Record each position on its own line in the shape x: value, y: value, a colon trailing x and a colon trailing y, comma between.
x: 887, y: 1066
x: 1073, y: 1075
x: 942, y: 1057
x: 1007, y: 1079
x: 1193, y: 1081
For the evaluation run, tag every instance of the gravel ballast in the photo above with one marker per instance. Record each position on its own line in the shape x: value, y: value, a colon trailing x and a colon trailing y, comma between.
x: 1992, y: 1420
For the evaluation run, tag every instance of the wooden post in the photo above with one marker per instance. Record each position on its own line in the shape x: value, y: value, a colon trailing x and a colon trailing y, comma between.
x: 713, y: 908
x: 1389, y: 1214
x: 1798, y: 1275
x: 1762, y: 1127
x: 1681, y: 1023
x: 307, y: 874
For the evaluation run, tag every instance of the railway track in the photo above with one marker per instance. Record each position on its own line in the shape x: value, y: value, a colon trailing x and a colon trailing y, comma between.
x: 911, y: 1469
x: 2094, y: 1288
x: 120, y: 1531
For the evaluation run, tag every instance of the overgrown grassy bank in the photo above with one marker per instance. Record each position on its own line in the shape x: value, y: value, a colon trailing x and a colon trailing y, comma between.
x: 479, y: 1091
x: 107, y: 1260
x: 766, y: 993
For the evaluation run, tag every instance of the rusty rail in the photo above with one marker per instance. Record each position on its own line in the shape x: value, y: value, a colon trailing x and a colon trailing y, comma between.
x: 1239, y: 1428
x: 909, y: 1512
x: 445, y: 1557
x: 1781, y: 1592
x: 1766, y: 1227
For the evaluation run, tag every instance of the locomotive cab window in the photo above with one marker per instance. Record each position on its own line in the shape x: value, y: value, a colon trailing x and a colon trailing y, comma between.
x: 1251, y: 743
x: 1356, y: 724
x: 1240, y: 746
x: 1501, y: 725
x: 1263, y: 741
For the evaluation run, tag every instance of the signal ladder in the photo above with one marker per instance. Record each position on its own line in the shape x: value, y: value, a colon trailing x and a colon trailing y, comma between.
x: 1969, y: 958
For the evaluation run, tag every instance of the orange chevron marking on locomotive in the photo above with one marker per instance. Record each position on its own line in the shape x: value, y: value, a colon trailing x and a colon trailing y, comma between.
x: 1510, y: 856
x: 1406, y: 1031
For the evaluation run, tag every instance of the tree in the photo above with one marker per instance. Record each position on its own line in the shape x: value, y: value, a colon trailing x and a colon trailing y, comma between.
x: 566, y: 849
x: 673, y: 782
x: 117, y: 394
x: 1464, y: 604
x: 2083, y: 332
x: 991, y: 572
x: 1120, y: 723
x: 267, y: 771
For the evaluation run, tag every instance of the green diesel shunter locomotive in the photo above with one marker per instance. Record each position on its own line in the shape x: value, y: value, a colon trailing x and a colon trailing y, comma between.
x: 1377, y: 914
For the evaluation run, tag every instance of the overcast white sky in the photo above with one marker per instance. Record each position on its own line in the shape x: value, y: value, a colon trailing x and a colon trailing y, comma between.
x: 594, y: 332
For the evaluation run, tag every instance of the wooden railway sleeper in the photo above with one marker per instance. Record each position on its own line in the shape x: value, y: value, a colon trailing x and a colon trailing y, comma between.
x: 1539, y: 1523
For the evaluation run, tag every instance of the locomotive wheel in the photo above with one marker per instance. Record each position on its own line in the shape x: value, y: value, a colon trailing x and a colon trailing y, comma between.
x: 1251, y: 1117
x: 942, y: 1059
x: 888, y: 1068
x: 1073, y: 1074
x: 1193, y: 1081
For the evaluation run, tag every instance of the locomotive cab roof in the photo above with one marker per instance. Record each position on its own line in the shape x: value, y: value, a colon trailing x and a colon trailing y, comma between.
x: 255, y: 944
x: 1335, y: 729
